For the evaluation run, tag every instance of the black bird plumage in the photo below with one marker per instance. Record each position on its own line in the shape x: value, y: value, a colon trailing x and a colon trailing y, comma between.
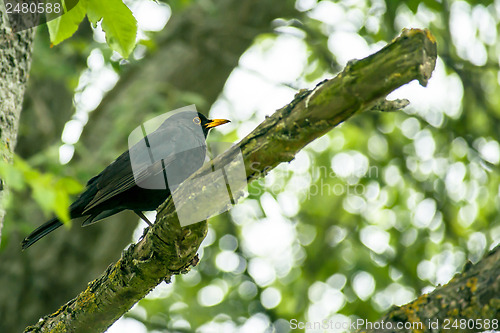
x: 175, y: 150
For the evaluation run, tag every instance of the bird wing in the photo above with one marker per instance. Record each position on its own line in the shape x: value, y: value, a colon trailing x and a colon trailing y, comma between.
x: 118, y: 177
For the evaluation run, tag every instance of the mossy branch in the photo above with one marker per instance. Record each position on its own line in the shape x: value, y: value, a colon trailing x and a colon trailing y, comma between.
x: 168, y: 249
x: 470, y: 302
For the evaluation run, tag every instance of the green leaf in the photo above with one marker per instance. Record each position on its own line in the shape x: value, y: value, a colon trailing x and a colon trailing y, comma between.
x: 12, y: 176
x: 43, y: 195
x: 65, y: 26
x: 61, y: 205
x: 118, y: 23
x: 69, y: 185
x: 50, y: 192
x: 64, y: 187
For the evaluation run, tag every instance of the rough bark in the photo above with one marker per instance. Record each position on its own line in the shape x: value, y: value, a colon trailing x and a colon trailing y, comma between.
x: 187, y: 59
x: 470, y: 302
x: 167, y: 249
x: 15, y: 60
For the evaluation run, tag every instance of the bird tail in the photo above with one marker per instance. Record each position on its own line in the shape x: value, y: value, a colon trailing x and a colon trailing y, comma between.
x: 40, y: 232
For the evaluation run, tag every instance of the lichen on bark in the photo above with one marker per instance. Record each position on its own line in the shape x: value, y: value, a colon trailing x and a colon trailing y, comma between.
x: 15, y: 61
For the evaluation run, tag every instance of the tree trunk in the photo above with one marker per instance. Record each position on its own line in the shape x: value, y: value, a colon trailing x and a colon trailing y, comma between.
x: 15, y: 60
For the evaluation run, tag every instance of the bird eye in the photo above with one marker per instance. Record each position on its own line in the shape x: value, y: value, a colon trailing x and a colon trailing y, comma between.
x: 196, y: 120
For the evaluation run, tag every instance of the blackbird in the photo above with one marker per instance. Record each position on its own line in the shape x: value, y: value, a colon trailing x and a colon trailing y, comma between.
x: 137, y: 180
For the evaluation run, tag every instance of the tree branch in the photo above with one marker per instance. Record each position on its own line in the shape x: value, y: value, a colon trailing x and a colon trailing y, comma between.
x: 169, y: 249
x: 468, y: 303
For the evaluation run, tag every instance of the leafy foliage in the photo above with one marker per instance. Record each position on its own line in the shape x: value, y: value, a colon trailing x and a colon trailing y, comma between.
x: 64, y: 26
x: 116, y: 19
x: 52, y: 193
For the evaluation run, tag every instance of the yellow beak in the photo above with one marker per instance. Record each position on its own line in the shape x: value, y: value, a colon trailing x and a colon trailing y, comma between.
x: 216, y: 122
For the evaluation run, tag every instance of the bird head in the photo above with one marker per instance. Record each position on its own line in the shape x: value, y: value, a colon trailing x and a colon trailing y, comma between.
x: 194, y: 120
x: 208, y: 124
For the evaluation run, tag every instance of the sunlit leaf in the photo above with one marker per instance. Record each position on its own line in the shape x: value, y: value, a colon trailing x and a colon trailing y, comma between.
x: 117, y: 22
